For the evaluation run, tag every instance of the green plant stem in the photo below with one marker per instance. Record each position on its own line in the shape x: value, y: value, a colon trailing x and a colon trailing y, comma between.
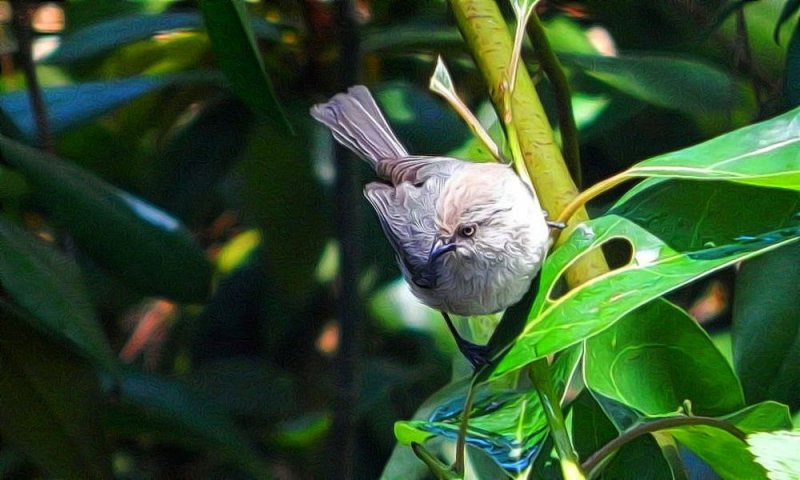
x: 461, y: 442
x: 661, y: 424
x: 598, y: 188
x: 566, y: 118
x: 22, y: 29
x: 486, y: 33
x: 551, y: 404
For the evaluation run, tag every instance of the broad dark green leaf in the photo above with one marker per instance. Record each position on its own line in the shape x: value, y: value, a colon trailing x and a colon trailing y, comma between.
x: 791, y: 78
x: 102, y: 37
x: 49, y: 402
x: 655, y: 358
x: 159, y: 408
x: 71, y: 105
x: 790, y: 7
x: 766, y: 327
x: 238, y: 57
x: 777, y: 452
x: 766, y: 154
x: 670, y: 82
x: 147, y: 248
x: 730, y: 211
x: 49, y: 286
x: 591, y: 429
x: 655, y: 269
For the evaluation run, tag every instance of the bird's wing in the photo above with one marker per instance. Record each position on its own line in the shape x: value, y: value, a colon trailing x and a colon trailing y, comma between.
x: 416, y: 169
x: 406, y: 214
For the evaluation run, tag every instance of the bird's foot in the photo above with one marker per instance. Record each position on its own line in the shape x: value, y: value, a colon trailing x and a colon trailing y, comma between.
x: 551, y: 223
x: 477, y: 355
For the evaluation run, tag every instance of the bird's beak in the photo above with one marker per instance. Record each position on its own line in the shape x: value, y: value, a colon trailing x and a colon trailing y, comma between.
x: 439, y: 248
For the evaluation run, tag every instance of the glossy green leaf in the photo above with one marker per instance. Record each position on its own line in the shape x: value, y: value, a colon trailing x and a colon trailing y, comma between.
x: 237, y: 55
x: 49, y: 402
x: 670, y: 82
x: 765, y: 154
x: 777, y: 453
x: 766, y: 326
x: 149, y: 249
x: 655, y: 358
x: 591, y: 429
x: 48, y: 285
x: 508, y: 425
x: 655, y: 269
x: 730, y: 211
x: 159, y: 408
x: 101, y: 37
x: 71, y: 105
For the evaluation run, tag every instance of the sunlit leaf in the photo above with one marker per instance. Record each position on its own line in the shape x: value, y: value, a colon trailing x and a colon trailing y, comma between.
x: 146, y: 247
x: 50, y: 400
x: 764, y: 154
x: 655, y: 269
x: 656, y: 358
x: 507, y: 425
x: 237, y: 55
x: 777, y: 452
x: 48, y: 285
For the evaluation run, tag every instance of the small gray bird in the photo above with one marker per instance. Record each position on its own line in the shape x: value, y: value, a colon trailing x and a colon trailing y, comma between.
x: 469, y: 237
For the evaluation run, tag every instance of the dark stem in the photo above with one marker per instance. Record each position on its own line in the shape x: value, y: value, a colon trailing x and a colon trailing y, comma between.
x: 661, y: 424
x: 566, y: 118
x: 22, y: 30
x: 348, y: 227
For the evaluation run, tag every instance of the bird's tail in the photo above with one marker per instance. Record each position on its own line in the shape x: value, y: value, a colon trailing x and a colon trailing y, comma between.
x: 357, y: 123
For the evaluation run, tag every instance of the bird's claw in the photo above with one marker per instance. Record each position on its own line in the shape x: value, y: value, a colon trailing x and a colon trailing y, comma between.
x: 477, y: 355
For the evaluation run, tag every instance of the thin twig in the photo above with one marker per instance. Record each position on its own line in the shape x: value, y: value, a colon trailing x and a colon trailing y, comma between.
x: 22, y: 29
x: 566, y: 118
x: 661, y: 424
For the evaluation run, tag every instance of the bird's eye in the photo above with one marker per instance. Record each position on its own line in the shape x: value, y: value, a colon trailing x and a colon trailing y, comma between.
x: 467, y: 230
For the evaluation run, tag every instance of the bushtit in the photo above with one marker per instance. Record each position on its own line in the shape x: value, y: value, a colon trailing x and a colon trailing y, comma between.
x: 469, y: 237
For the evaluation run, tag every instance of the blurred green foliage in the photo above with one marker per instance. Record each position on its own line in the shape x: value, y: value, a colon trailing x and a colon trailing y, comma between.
x: 169, y: 270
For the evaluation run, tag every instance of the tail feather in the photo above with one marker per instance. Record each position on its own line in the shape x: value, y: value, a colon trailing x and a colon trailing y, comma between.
x: 357, y: 123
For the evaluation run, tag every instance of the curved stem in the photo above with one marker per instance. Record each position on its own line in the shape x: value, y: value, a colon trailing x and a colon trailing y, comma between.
x: 661, y: 424
x: 461, y: 443
x: 591, y: 192
x: 566, y: 118
x: 551, y: 404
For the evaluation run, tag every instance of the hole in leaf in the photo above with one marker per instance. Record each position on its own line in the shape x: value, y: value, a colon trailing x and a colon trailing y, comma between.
x: 618, y: 253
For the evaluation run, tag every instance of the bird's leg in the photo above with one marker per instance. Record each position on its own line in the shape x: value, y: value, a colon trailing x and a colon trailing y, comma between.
x: 476, y: 354
x: 552, y: 224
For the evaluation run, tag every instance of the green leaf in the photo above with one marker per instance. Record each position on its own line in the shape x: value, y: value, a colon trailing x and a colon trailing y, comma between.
x: 791, y: 78
x: 777, y: 452
x: 506, y: 424
x: 71, y: 105
x: 49, y: 286
x: 146, y: 247
x: 591, y: 429
x: 107, y: 35
x: 669, y: 210
x: 766, y: 327
x: 670, y: 82
x: 238, y: 57
x: 655, y: 358
x: 765, y: 154
x: 655, y: 269
x: 163, y: 409
x: 49, y: 402
x: 789, y: 9
x: 723, y: 452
